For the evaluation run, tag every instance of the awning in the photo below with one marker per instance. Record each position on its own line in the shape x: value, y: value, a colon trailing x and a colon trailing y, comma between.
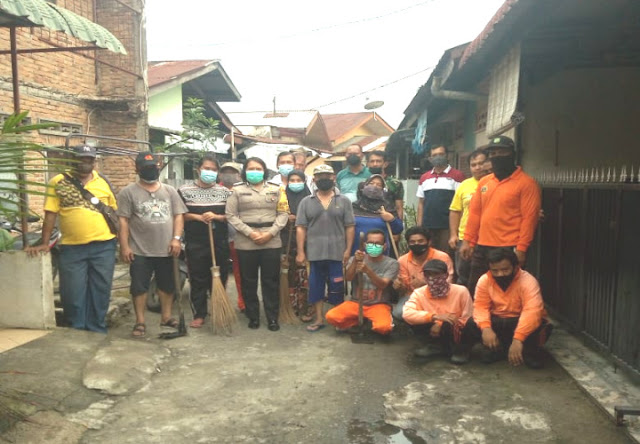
x: 18, y: 13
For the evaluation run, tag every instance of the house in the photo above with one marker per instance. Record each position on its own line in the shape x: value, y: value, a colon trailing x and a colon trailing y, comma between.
x: 84, y: 91
x: 562, y: 78
x: 171, y: 84
x: 365, y: 128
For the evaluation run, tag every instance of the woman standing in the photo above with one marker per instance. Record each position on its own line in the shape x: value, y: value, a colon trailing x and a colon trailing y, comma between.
x: 370, y: 213
x: 253, y: 210
x: 298, y: 280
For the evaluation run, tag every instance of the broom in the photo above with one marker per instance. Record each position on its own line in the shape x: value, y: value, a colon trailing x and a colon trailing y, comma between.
x: 286, y: 314
x: 223, y: 316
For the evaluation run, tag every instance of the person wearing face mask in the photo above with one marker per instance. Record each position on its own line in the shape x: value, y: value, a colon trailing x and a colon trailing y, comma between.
x: 229, y: 176
x: 324, y: 224
x: 504, y: 211
x: 348, y: 179
x: 378, y: 272
x: 88, y: 247
x: 370, y: 211
x: 255, y: 210
x: 410, y: 276
x: 459, y: 212
x: 439, y: 312
x: 151, y: 224
x: 285, y: 163
x: 206, y: 201
x: 378, y: 164
x: 508, y: 312
x: 435, y: 192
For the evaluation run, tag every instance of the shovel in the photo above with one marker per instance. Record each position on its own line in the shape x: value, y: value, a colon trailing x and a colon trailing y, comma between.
x: 361, y: 337
x: 182, y: 327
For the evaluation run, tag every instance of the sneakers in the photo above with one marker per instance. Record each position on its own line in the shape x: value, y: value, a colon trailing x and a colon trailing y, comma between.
x: 273, y: 325
x: 532, y: 359
x: 254, y: 324
x: 460, y: 355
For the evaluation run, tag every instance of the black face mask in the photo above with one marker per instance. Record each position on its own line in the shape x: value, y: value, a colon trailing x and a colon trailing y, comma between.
x: 375, y: 170
x: 503, y: 166
x: 419, y: 249
x: 324, y: 184
x: 353, y: 160
x: 149, y: 175
x: 83, y: 168
x: 504, y: 281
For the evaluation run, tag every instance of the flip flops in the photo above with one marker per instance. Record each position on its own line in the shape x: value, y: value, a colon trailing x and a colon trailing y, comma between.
x: 315, y: 327
x: 197, y: 323
x: 171, y: 323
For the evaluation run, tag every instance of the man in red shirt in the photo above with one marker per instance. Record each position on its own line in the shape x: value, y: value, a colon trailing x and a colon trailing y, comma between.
x: 503, y: 212
x: 508, y: 312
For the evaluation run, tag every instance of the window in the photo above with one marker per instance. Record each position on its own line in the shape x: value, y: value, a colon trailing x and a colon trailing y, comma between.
x: 62, y: 128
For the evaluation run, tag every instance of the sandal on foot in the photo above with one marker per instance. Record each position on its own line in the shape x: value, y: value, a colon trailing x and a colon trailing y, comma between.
x: 171, y: 323
x: 197, y: 323
x: 314, y: 328
x: 139, y: 330
x: 307, y: 318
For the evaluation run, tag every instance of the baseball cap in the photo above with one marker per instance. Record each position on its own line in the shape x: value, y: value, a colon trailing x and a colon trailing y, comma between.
x: 501, y: 142
x: 84, y: 151
x: 435, y: 266
x: 145, y: 159
x: 324, y: 168
x: 233, y: 165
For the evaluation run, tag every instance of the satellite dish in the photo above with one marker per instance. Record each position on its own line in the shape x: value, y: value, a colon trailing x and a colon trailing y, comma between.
x: 374, y: 105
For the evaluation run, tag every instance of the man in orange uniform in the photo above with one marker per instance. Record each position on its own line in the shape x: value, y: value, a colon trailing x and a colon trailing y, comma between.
x: 410, y: 276
x: 442, y: 310
x: 508, y: 312
x: 503, y: 212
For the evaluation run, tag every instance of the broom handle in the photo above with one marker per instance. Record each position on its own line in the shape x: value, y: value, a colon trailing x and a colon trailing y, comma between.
x: 393, y: 241
x: 289, y: 240
x: 212, y: 245
x: 360, y: 289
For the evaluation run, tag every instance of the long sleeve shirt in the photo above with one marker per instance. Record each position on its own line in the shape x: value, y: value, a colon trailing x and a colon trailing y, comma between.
x: 504, y: 213
x: 410, y: 273
x: 522, y: 299
x: 422, y: 307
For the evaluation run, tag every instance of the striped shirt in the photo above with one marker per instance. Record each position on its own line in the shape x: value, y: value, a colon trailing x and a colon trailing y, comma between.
x: 437, y: 190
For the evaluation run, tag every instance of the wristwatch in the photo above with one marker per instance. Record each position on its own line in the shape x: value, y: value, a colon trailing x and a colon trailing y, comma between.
x: 178, y: 238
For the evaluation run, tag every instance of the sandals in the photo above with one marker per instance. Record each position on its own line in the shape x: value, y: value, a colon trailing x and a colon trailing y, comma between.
x: 307, y: 318
x: 171, y: 323
x: 315, y: 327
x: 139, y: 330
x: 197, y: 323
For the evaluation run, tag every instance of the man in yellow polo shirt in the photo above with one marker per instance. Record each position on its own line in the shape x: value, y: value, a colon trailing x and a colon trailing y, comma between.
x: 459, y: 212
x: 87, y: 245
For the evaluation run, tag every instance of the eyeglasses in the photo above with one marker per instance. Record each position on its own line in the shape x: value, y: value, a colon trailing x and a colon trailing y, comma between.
x: 376, y: 243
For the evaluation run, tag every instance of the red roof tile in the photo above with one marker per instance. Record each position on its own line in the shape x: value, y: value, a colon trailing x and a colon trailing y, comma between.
x: 340, y: 124
x: 161, y: 72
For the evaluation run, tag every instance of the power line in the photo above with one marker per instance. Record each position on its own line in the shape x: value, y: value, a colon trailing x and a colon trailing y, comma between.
x: 374, y: 89
x: 319, y: 29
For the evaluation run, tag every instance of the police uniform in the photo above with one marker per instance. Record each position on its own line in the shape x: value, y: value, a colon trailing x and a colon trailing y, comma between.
x: 250, y: 209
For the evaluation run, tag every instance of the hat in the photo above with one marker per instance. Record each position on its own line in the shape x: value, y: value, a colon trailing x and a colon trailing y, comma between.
x: 435, y: 266
x: 84, y: 151
x: 145, y: 159
x: 501, y: 142
x: 324, y: 168
x: 233, y: 165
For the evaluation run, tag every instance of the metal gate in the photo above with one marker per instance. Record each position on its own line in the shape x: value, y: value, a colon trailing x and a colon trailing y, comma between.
x: 589, y: 264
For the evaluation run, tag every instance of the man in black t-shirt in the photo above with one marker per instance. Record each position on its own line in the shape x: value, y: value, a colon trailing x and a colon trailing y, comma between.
x: 206, y: 202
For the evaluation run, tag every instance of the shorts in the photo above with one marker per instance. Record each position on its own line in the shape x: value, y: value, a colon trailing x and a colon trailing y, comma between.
x: 141, y: 270
x: 325, y: 274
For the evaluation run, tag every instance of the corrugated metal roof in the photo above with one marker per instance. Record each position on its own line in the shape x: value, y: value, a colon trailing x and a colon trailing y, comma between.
x: 340, y: 124
x: 164, y: 71
x: 56, y: 18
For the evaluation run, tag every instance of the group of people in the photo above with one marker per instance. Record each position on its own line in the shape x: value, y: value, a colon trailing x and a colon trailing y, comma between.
x: 336, y: 228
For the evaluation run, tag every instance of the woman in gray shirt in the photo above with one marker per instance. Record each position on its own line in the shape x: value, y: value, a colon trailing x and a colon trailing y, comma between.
x: 257, y: 212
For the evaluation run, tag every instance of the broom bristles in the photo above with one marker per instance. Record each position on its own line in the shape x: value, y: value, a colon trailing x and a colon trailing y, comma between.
x: 286, y: 314
x: 223, y: 315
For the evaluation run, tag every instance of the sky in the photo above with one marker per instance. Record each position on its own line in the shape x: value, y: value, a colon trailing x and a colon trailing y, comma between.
x: 332, y: 56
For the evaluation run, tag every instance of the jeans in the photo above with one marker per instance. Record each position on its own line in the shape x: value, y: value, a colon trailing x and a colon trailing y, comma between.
x: 267, y: 261
x: 86, y: 274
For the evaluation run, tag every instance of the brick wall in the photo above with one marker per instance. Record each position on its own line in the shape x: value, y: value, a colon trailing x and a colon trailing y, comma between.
x: 72, y: 87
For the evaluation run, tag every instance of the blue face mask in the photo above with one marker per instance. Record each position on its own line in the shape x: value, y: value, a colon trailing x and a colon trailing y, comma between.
x: 254, y: 177
x: 208, y: 176
x: 373, y: 250
x: 296, y: 187
x: 285, y: 169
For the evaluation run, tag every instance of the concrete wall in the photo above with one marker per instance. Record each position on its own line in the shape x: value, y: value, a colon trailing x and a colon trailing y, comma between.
x: 26, y: 299
x: 594, y: 112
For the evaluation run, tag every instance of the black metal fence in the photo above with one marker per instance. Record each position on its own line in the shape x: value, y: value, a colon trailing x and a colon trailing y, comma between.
x: 587, y: 258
